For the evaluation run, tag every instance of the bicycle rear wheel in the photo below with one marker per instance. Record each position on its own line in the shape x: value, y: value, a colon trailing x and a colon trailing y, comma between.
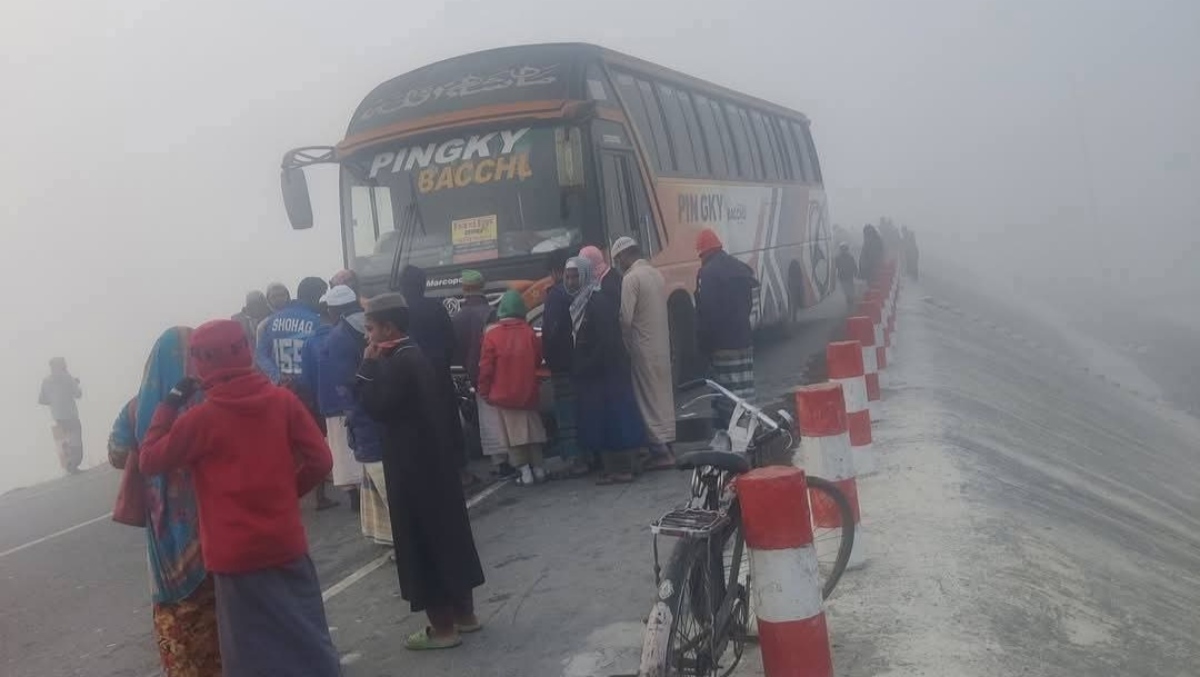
x: 833, y: 544
x: 695, y: 587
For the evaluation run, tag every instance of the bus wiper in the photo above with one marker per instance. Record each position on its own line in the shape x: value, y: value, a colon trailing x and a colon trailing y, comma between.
x: 410, y: 219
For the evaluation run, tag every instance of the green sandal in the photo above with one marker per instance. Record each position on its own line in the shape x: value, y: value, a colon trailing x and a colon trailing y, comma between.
x: 421, y: 640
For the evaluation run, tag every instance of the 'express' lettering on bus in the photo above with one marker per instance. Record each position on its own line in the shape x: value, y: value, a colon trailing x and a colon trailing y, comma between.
x: 448, y: 152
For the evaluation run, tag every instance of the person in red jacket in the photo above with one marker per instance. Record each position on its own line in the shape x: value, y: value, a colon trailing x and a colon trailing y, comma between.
x: 509, y: 422
x: 253, y: 450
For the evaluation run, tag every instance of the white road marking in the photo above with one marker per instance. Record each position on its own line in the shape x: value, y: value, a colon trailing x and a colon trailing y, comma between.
x: 366, y: 569
x: 54, y: 535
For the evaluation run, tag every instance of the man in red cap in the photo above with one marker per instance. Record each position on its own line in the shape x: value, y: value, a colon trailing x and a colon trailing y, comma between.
x: 253, y: 449
x: 724, y: 299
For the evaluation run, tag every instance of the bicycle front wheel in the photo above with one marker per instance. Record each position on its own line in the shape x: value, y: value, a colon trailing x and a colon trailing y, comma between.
x: 833, y: 530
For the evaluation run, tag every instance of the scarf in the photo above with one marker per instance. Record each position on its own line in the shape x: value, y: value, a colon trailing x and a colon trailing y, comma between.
x: 588, y: 284
x: 173, y: 519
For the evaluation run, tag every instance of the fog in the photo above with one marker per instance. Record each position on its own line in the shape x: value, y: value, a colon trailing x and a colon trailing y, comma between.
x: 1046, y: 141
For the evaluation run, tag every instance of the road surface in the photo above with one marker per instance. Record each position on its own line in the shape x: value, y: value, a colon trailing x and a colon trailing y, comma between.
x: 1034, y: 514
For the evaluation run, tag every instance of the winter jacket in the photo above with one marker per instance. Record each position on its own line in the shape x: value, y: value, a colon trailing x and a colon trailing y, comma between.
x: 281, y: 341
x: 508, y: 364
x: 724, y: 299
x: 253, y: 451
x: 338, y: 364
x: 557, y: 342
x: 310, y: 354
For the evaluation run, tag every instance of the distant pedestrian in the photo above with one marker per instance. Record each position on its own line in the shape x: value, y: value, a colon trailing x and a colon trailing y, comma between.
x: 647, y: 334
x: 184, y: 598
x: 724, y: 300
x: 847, y: 270
x: 354, y: 437
x: 432, y: 329
x: 912, y: 255
x: 509, y: 422
x: 436, y: 560
x: 278, y: 296
x: 558, y: 343
x: 253, y: 450
x: 59, y: 391
x: 871, y: 256
x: 252, y: 314
x: 608, y: 278
x: 607, y: 417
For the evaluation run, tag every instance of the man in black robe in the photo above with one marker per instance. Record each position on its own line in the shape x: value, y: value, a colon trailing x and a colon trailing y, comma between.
x: 436, y: 560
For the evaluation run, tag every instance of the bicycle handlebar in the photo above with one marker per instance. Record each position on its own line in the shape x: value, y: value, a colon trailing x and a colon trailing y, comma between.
x: 712, y: 385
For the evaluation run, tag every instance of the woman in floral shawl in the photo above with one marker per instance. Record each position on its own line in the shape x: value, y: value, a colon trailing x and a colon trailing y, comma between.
x: 185, y: 619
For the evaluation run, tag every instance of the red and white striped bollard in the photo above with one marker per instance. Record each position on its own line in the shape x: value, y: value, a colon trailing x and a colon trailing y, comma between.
x: 786, y: 587
x: 825, y: 448
x: 845, y: 360
x: 860, y: 329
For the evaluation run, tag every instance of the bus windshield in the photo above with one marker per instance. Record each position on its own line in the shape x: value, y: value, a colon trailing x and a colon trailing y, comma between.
x: 463, y: 198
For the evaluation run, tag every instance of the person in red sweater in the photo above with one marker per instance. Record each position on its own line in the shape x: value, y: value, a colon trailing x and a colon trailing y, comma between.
x: 508, y: 390
x: 253, y: 450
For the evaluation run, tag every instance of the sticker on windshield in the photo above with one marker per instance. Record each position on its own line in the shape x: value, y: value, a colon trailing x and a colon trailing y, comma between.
x: 474, y: 239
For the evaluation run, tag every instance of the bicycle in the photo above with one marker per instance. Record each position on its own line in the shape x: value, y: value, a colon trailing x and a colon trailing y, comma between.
x: 702, y: 606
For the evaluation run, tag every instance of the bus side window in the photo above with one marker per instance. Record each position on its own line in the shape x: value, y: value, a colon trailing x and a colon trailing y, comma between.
x: 746, y: 159
x: 807, y: 160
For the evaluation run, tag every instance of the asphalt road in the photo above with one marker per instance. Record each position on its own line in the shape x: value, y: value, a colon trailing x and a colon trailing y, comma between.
x: 569, y: 571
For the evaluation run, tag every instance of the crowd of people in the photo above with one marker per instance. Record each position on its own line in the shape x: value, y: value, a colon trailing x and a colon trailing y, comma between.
x: 237, y: 420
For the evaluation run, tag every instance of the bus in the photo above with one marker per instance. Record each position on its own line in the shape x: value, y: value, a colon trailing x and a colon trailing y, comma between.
x: 494, y: 159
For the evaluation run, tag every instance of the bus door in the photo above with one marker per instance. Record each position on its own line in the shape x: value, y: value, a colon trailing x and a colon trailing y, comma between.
x: 626, y: 206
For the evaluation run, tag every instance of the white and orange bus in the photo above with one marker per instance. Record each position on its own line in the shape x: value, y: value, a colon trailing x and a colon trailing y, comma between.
x: 494, y: 159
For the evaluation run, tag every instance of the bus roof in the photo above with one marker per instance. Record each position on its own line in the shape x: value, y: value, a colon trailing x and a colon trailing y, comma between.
x: 522, y: 78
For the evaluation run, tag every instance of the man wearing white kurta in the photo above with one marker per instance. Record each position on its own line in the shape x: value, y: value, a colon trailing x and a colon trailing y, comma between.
x: 647, y: 337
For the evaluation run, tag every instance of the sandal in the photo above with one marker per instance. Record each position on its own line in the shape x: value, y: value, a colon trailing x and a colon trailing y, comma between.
x: 422, y: 640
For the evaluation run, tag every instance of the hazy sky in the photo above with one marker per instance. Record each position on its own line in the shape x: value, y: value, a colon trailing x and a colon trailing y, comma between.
x: 142, y: 144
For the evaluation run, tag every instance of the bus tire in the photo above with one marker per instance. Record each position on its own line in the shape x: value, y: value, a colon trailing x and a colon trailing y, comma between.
x: 681, y: 318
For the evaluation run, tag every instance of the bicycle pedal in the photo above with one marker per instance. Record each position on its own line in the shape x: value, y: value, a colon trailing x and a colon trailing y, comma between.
x: 689, y: 523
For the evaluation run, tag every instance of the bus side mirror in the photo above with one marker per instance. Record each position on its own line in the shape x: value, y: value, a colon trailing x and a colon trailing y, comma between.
x: 295, y: 197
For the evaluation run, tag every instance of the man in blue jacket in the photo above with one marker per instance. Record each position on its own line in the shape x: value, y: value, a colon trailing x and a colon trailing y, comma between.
x: 281, y: 341
x: 280, y: 352
x: 354, y: 437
